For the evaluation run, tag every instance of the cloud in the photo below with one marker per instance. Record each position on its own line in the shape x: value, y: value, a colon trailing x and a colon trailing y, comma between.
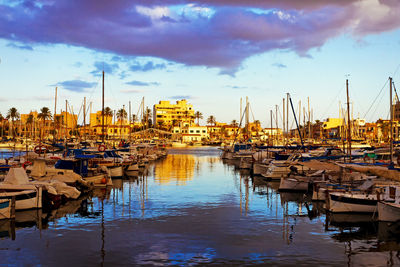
x: 76, y: 85
x: 131, y: 91
x: 279, y: 65
x: 179, y: 97
x: 215, y: 33
x: 149, y: 66
x: 20, y: 46
x: 139, y: 83
x: 236, y: 87
x: 108, y: 68
x: 78, y: 64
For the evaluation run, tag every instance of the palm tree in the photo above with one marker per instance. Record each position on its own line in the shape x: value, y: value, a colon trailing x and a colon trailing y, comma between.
x: 147, y: 116
x: 108, y: 112
x: 2, y: 124
x: 29, y: 122
x: 12, y: 114
x: 121, y: 114
x: 211, y: 120
x: 234, y: 123
x: 198, y: 115
x: 44, y: 115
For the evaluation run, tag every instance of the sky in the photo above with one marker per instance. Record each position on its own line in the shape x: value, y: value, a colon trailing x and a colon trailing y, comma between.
x: 210, y: 52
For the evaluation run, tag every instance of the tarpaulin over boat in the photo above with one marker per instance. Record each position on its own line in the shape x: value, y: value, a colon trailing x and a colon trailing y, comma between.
x: 16, y: 176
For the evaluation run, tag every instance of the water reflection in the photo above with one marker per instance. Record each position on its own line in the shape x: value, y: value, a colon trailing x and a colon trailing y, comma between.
x: 210, y: 213
x: 176, y: 168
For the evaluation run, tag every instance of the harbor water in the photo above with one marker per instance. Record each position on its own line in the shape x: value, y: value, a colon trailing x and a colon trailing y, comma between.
x: 192, y: 208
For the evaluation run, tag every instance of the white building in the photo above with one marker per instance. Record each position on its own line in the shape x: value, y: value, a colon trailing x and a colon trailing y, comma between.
x: 192, y: 133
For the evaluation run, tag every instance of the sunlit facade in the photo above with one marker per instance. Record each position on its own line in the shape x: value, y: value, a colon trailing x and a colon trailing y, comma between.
x: 166, y: 114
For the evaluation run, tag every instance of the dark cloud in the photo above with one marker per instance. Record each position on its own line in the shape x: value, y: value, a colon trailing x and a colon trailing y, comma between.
x: 139, y: 83
x: 279, y: 65
x: 223, y: 38
x: 148, y: 66
x: 108, y: 68
x: 76, y: 85
x: 20, y: 46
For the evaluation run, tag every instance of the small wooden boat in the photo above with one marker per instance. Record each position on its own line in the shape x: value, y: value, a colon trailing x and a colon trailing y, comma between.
x: 6, y: 208
x: 24, y: 198
x: 388, y: 212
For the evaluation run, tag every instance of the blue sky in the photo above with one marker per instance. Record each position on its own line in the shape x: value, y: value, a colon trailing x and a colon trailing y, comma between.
x: 210, y: 52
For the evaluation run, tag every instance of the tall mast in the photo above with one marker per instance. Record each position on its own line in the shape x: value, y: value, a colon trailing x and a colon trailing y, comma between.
x: 84, y: 118
x: 130, y: 121
x: 391, y: 122
x: 299, y: 117
x: 283, y: 118
x: 241, y: 110
x: 287, y: 115
x: 102, y: 111
x: 348, y: 121
x: 247, y: 115
x: 55, y: 112
x: 66, y: 119
x: 309, y: 122
x: 276, y: 122
x: 271, y: 127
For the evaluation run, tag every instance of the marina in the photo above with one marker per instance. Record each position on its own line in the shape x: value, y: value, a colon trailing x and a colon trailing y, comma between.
x: 209, y: 212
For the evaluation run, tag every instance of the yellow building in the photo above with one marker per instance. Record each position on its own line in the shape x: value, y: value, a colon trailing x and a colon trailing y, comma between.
x: 96, y: 119
x: 332, y: 123
x: 166, y: 114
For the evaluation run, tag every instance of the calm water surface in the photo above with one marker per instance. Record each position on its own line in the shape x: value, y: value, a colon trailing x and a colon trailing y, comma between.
x: 192, y: 208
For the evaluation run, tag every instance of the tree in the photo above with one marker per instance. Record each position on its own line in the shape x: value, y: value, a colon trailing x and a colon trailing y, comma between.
x: 198, y: 115
x: 108, y: 112
x: 12, y: 114
x: 44, y: 115
x: 121, y: 114
x: 211, y: 120
x: 234, y: 123
x: 29, y: 123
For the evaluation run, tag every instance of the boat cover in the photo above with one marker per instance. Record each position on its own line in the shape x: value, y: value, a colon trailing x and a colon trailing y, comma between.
x: 16, y: 176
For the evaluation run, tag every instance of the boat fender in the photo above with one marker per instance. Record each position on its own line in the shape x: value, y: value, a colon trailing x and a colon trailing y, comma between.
x: 26, y: 163
x: 102, y: 148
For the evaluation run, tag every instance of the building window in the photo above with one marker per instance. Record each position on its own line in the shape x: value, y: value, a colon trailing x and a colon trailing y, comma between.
x: 204, y: 131
x: 191, y: 131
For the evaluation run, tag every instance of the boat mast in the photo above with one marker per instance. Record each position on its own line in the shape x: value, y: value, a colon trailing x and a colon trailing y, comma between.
x: 348, y: 121
x: 271, y: 128
x: 102, y: 112
x: 84, y: 118
x: 130, y: 121
x: 55, y: 112
x: 391, y: 122
x: 287, y: 116
x: 283, y: 121
x: 66, y: 120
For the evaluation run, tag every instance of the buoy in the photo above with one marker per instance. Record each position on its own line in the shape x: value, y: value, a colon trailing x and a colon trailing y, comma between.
x: 103, y: 180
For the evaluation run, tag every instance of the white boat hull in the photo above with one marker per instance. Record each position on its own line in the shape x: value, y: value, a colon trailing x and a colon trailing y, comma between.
x: 116, y: 172
x: 26, y: 199
x: 339, y: 202
x: 388, y: 212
